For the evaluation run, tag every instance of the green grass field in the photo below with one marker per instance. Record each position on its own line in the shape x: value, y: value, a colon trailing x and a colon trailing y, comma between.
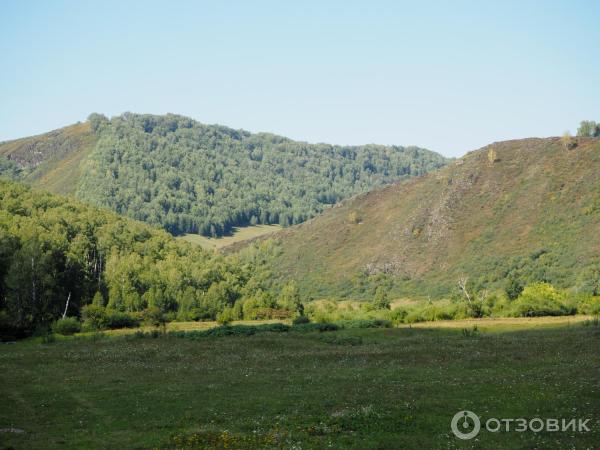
x: 239, y: 234
x: 360, y: 389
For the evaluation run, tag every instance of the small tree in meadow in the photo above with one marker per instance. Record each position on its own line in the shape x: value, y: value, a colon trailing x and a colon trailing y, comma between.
x: 381, y: 299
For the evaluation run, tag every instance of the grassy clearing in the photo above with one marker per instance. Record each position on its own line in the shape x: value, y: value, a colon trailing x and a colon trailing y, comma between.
x: 357, y: 389
x: 501, y: 324
x: 239, y: 234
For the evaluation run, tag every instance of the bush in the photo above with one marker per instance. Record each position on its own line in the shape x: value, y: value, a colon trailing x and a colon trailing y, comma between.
x: 398, y: 315
x: 365, y: 323
x: 118, y: 319
x: 98, y: 318
x: 67, y: 326
x: 94, y: 317
x: 249, y: 330
x: 308, y: 327
x: 233, y: 330
x: 541, y: 299
x: 226, y: 316
x: 273, y: 327
x: 589, y: 305
x: 381, y: 299
x: 432, y: 312
x: 300, y: 320
x: 267, y: 314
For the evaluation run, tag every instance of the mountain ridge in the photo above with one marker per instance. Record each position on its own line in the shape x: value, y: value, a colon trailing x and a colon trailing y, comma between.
x: 188, y: 177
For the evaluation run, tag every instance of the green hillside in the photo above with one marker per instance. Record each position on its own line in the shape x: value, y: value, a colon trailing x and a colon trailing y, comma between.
x: 507, y: 215
x: 187, y: 177
x: 59, y: 256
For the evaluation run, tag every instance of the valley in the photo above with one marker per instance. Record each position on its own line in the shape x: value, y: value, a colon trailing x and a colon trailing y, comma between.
x: 352, y: 388
x: 299, y: 225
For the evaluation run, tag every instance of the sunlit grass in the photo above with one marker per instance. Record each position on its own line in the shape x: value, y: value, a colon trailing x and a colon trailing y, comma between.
x: 504, y: 323
x: 239, y: 234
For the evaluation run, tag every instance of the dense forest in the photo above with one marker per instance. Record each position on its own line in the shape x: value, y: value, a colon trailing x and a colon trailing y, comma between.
x: 187, y: 177
x: 61, y: 257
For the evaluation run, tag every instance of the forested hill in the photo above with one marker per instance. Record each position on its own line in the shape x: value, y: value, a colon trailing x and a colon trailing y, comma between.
x: 505, y: 216
x: 185, y: 176
x: 58, y: 255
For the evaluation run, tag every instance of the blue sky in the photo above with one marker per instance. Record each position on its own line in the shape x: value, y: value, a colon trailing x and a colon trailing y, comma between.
x: 449, y: 76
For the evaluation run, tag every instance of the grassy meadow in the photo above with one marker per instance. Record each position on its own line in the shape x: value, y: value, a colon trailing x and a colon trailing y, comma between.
x: 353, y: 388
x: 239, y: 234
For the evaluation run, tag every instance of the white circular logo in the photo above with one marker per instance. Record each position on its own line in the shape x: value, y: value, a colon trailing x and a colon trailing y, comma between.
x: 465, y: 425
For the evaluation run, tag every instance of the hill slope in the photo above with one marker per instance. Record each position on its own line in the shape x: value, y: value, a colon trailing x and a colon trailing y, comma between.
x: 189, y: 177
x: 52, y: 160
x: 512, y: 212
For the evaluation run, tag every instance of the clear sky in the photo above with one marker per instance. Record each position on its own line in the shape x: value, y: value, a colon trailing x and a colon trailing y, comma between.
x: 450, y: 76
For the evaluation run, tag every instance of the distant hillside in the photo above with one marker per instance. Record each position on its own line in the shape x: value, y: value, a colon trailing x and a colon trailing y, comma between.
x: 188, y: 177
x: 51, y: 160
x: 508, y: 214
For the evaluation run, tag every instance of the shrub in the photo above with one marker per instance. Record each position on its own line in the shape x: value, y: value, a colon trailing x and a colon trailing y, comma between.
x: 589, y: 305
x: 233, y: 330
x: 308, y: 327
x: 541, y: 299
x: 66, y: 326
x: 432, y: 312
x: 118, y: 319
x: 273, y: 327
x: 300, y: 320
x: 267, y: 314
x: 398, y: 315
x: 364, y: 323
x: 155, y: 317
x: 381, y: 299
x: 226, y: 316
x: 94, y: 317
x: 249, y: 330
x: 98, y: 318
x: 567, y: 141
